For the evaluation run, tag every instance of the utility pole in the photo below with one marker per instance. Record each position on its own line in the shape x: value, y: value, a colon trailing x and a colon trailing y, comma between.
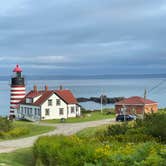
x: 145, y: 93
x: 101, y: 100
x: 124, y: 112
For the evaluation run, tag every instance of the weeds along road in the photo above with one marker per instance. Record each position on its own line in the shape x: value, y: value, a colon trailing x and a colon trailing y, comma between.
x: 63, y: 128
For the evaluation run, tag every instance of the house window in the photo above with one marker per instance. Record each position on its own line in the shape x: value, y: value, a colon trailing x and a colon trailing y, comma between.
x: 50, y: 102
x: 22, y: 110
x: 47, y: 112
x: 25, y: 109
x: 38, y: 111
x: 72, y: 109
x: 61, y: 111
x: 58, y: 102
x: 35, y: 111
x: 29, y: 100
x: 30, y: 110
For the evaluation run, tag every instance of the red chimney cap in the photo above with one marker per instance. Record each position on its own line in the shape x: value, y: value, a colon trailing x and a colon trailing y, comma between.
x: 17, y: 69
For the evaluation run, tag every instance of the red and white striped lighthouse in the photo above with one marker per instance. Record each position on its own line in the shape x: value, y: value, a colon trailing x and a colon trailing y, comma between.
x: 17, y: 90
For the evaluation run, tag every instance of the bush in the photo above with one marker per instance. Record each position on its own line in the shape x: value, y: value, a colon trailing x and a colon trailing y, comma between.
x: 18, y: 131
x: 72, y: 151
x: 116, y: 129
x: 5, y: 124
x: 125, y: 144
x: 134, y: 138
x: 155, y: 125
x: 61, y: 150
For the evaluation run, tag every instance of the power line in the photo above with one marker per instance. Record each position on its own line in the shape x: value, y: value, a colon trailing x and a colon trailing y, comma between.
x: 156, y: 86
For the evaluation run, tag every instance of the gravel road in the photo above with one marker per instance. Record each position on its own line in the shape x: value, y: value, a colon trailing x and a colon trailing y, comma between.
x: 63, y: 128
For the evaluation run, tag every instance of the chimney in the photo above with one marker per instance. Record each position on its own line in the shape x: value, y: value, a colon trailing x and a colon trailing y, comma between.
x: 46, y: 87
x: 35, y: 88
x: 60, y: 87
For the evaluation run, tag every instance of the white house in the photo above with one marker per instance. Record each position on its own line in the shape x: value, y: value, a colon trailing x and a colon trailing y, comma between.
x: 48, y: 104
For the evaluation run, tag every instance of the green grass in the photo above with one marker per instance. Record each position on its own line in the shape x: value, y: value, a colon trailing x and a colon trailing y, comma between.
x: 92, y: 116
x: 91, y: 131
x: 22, y: 157
x: 34, y: 129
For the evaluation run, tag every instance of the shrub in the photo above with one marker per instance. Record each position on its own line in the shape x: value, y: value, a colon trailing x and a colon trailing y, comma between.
x: 5, y: 124
x: 61, y: 150
x: 18, y: 131
x: 125, y: 144
x: 134, y: 138
x: 116, y: 129
x: 155, y: 125
x: 72, y: 151
x: 145, y: 154
x: 15, y: 132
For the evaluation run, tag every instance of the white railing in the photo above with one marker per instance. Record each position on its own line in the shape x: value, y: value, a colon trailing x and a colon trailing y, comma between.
x: 29, y: 117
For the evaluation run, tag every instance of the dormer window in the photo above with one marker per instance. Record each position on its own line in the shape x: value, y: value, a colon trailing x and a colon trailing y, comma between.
x: 50, y: 102
x: 29, y: 100
x: 58, y: 102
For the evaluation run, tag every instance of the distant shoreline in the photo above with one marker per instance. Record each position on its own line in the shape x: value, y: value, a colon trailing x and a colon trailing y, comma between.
x: 81, y: 77
x: 105, y: 100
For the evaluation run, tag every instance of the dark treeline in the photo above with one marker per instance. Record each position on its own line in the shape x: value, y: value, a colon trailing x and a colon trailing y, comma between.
x: 104, y: 99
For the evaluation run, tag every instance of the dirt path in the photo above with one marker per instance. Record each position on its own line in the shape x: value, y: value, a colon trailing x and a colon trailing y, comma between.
x: 65, y: 129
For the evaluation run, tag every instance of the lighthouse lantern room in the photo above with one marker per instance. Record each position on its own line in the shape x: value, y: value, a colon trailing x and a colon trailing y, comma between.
x: 17, y: 91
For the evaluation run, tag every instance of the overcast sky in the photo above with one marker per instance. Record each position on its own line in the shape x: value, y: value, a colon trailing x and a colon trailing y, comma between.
x: 83, y: 36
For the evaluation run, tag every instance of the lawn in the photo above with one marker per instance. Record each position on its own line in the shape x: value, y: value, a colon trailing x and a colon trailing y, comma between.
x: 33, y: 129
x: 22, y: 157
x: 90, y: 116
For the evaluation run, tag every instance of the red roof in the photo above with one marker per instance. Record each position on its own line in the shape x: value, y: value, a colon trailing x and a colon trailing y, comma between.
x: 33, y: 94
x: 43, y: 98
x: 17, y: 69
x: 135, y: 100
x: 65, y: 95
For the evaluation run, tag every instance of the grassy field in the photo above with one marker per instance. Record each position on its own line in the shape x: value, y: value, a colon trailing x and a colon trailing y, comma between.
x: 23, y: 157
x: 91, y: 131
x: 150, y: 152
x: 32, y: 128
x: 84, y: 118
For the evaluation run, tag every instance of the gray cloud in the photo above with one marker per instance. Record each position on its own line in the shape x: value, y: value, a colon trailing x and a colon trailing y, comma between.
x: 83, y: 36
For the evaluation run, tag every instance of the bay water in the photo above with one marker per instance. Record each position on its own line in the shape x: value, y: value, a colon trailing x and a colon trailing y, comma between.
x: 115, y: 87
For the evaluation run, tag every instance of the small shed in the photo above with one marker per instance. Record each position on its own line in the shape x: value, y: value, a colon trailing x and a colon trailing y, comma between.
x: 136, y: 105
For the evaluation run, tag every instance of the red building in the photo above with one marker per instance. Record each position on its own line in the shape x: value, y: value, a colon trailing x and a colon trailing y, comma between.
x: 136, y: 105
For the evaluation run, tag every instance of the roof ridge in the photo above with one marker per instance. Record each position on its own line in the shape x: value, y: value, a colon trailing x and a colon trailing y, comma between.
x: 43, y: 98
x: 136, y: 100
x: 65, y: 95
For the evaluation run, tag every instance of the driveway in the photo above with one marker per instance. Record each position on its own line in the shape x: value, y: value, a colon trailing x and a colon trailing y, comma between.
x: 63, y: 128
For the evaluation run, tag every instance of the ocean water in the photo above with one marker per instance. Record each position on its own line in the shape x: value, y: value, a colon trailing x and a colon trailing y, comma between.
x: 115, y: 87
